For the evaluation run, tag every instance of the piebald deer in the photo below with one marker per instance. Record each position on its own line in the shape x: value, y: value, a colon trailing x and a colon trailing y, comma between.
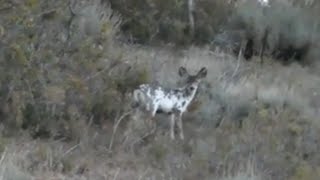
x: 156, y: 99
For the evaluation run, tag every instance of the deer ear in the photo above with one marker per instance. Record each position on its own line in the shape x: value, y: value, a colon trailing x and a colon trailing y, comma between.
x: 182, y: 71
x: 202, y: 73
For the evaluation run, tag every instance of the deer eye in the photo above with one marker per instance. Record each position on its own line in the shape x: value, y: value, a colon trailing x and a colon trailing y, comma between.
x: 191, y: 88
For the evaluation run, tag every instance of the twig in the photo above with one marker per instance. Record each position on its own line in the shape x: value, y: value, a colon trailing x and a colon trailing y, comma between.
x: 144, y: 173
x: 116, y: 175
x: 115, y: 127
x: 97, y: 74
x: 238, y: 64
x: 3, y: 156
x: 190, y: 14
x: 144, y: 136
x: 49, y: 157
x: 73, y: 14
x: 236, y: 70
x: 59, y: 140
x: 71, y: 149
x: 1, y: 160
x: 107, y: 67
x: 46, y: 12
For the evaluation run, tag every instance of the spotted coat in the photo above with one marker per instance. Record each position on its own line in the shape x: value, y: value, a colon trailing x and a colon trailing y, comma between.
x: 155, y: 99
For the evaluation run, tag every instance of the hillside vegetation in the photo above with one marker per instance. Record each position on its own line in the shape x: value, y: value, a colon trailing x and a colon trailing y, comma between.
x: 68, y: 69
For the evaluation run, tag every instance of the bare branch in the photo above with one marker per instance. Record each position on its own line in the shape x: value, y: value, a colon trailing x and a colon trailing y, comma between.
x: 3, y: 156
x: 71, y: 149
x: 190, y: 14
x: 115, y: 127
x: 117, y: 173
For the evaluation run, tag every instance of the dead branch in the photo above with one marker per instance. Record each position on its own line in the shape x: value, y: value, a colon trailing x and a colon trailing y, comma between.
x: 115, y: 127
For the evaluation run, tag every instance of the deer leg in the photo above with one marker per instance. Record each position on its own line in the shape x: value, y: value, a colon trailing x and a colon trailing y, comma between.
x: 154, y: 110
x: 152, y: 115
x: 180, y: 126
x: 172, y: 123
x: 149, y: 120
